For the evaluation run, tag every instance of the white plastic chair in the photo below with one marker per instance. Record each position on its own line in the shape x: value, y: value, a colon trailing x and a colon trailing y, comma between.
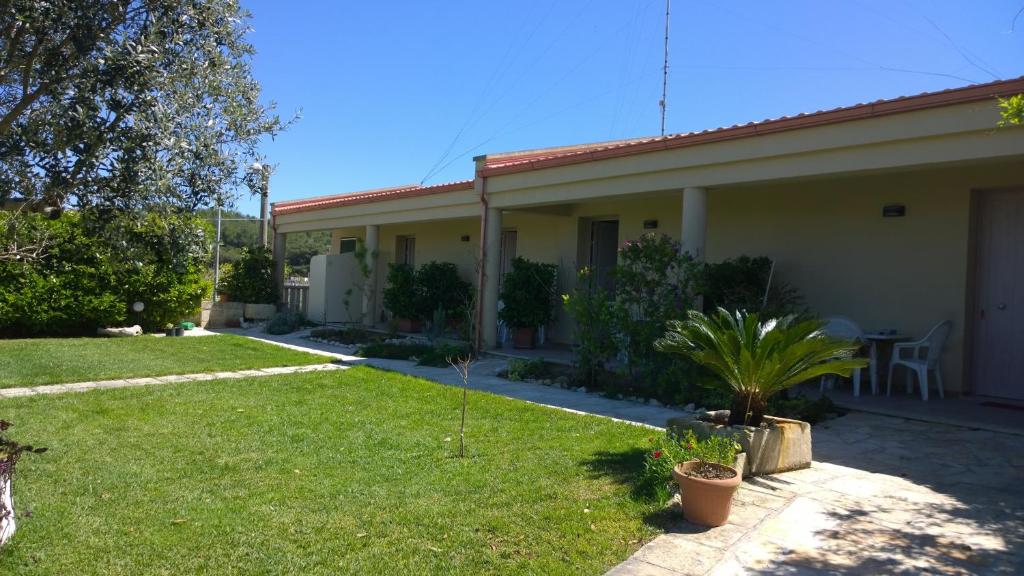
x: 924, y: 356
x: 847, y: 329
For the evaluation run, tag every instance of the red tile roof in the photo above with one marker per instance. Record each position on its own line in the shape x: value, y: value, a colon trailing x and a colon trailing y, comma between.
x: 507, y: 163
x: 511, y: 162
x: 367, y: 196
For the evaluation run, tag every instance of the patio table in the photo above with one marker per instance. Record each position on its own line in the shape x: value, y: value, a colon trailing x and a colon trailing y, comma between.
x: 880, y: 346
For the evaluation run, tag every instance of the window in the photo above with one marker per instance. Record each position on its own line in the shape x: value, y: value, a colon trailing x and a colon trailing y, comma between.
x: 508, y: 253
x: 347, y: 245
x: 405, y: 250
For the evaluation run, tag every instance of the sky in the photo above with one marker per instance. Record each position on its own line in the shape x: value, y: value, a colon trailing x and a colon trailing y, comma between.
x: 401, y: 92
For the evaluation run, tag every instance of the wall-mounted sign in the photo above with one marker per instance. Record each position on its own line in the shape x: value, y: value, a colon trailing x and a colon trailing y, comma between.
x: 894, y: 211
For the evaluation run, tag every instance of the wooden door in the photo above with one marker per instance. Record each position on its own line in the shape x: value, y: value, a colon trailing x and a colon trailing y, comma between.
x: 604, y: 251
x: 997, y: 364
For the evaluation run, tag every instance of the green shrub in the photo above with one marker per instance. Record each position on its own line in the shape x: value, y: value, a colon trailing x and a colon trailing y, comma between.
x: 400, y: 295
x: 284, y: 323
x: 439, y: 287
x: 439, y: 355
x: 528, y: 294
x: 95, y: 266
x: 392, y: 351
x: 345, y: 335
x: 753, y: 360
x: 593, y: 312
x: 520, y: 369
x: 251, y: 278
x: 667, y: 450
x: 740, y: 284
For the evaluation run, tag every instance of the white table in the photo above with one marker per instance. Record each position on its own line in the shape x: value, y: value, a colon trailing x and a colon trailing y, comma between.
x: 877, y: 341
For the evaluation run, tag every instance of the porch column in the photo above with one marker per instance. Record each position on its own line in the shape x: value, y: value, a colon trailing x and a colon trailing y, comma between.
x: 278, y: 254
x: 370, y: 288
x: 492, y: 251
x: 695, y: 221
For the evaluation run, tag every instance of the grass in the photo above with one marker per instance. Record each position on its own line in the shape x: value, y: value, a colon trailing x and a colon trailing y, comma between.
x: 37, y: 362
x: 349, y: 472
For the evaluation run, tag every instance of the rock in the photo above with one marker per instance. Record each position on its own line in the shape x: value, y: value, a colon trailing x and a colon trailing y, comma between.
x: 582, y: 389
x: 562, y: 380
x: 655, y: 402
x: 690, y: 407
x: 120, y: 332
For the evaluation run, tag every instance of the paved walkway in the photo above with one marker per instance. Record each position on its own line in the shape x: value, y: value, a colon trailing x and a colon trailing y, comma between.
x: 483, y: 376
x: 154, y: 380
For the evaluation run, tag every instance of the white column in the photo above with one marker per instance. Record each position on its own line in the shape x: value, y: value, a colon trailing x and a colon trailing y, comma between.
x: 279, y: 254
x: 370, y: 287
x: 695, y: 221
x: 492, y: 267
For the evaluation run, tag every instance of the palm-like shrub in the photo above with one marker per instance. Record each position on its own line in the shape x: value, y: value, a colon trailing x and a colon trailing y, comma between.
x: 753, y: 360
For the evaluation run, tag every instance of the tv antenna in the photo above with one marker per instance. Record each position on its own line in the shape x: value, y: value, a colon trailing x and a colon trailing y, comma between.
x: 664, y: 71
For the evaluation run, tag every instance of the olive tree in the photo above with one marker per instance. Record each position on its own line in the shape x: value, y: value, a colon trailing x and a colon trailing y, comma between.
x: 127, y: 104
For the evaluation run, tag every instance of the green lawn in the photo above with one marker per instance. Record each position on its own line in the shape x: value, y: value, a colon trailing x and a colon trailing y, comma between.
x: 349, y: 472
x: 35, y: 362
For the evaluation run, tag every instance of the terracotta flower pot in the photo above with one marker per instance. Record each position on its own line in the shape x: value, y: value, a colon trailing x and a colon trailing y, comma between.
x: 522, y: 337
x: 706, y: 501
x: 410, y: 325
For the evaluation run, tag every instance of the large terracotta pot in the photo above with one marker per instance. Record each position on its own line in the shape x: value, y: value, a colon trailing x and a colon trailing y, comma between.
x: 706, y: 502
x: 409, y: 325
x: 523, y: 337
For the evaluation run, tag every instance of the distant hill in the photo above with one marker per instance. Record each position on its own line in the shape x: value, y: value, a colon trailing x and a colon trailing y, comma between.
x: 237, y: 233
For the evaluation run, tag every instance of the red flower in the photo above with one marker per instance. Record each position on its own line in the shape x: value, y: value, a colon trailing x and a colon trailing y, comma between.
x: 689, y: 446
x: 657, y: 454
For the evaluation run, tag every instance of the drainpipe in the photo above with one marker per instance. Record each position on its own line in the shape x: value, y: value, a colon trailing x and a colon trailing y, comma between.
x: 479, y: 186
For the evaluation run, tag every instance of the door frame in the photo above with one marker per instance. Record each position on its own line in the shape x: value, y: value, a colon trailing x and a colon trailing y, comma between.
x: 974, y: 232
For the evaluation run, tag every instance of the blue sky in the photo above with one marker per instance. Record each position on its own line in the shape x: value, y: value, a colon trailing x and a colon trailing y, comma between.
x: 386, y: 89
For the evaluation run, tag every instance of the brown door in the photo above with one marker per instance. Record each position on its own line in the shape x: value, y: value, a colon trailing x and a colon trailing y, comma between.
x: 998, y: 335
x: 604, y: 251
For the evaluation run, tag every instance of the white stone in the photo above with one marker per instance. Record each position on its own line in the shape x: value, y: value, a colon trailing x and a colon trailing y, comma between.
x: 7, y: 509
x: 135, y: 330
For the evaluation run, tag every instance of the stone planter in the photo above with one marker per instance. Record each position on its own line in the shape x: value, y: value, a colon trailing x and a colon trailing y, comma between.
x: 778, y: 445
x: 259, y: 311
x: 6, y: 502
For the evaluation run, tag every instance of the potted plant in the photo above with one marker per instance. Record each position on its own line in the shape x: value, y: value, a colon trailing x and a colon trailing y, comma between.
x: 179, y: 330
x: 10, y: 452
x: 706, y: 490
x: 438, y: 286
x: 528, y: 299
x: 402, y: 300
x: 168, y: 329
x: 750, y: 360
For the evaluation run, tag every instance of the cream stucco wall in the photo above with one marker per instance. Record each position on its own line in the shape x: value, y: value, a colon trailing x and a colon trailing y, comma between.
x: 553, y: 236
x: 829, y: 240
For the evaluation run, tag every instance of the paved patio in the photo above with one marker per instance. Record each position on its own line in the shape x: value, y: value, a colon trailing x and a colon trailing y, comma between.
x: 994, y: 414
x: 884, y: 495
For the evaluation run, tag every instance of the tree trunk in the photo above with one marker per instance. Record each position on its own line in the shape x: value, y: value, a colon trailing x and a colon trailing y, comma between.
x: 747, y: 410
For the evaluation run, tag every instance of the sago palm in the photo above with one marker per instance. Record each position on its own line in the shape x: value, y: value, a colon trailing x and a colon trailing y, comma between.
x: 753, y: 360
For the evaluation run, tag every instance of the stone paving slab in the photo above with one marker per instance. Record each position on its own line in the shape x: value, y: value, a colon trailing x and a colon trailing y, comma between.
x: 154, y: 381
